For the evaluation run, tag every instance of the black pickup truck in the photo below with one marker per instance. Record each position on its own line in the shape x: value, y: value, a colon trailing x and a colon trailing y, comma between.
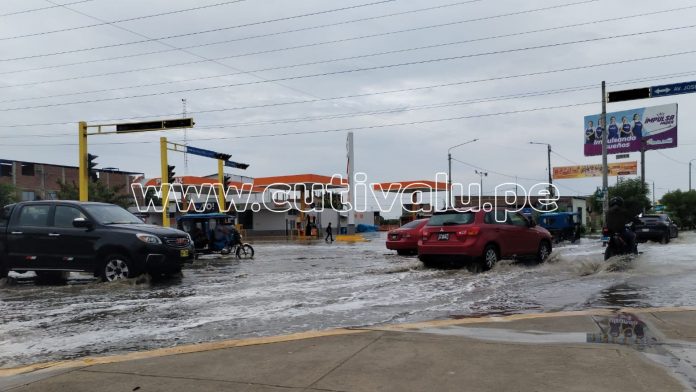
x: 656, y: 227
x: 52, y: 238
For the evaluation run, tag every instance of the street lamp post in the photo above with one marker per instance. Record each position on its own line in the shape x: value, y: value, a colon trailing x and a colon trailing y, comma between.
x: 481, y: 174
x: 690, y: 172
x: 449, y: 171
x: 548, y: 149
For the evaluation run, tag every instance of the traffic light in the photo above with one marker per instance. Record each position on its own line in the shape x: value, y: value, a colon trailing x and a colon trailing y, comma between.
x: 170, y: 172
x: 226, y: 181
x: 93, y: 176
x: 224, y: 157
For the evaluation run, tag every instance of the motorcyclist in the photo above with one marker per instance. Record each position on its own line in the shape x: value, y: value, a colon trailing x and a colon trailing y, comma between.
x: 618, y: 217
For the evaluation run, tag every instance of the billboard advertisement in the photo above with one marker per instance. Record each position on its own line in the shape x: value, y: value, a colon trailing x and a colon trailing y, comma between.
x: 584, y: 171
x: 654, y: 127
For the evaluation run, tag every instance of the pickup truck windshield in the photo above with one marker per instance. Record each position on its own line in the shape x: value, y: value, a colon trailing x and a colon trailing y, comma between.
x: 111, y: 215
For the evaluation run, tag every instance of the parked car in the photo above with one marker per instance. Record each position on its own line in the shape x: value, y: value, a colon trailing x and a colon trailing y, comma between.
x: 656, y: 227
x: 404, y: 240
x: 478, y: 239
x: 52, y: 238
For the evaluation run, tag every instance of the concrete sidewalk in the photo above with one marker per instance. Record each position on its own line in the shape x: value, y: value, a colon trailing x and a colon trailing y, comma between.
x: 541, y: 352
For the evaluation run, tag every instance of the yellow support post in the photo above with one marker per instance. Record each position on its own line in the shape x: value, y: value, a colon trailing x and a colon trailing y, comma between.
x: 84, y: 170
x: 221, y: 180
x: 165, y: 181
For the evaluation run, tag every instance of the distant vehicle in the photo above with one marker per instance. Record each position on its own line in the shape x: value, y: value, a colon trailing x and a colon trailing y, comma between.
x: 656, y: 227
x: 214, y: 233
x: 478, y: 240
x: 53, y: 238
x: 563, y: 226
x: 404, y: 240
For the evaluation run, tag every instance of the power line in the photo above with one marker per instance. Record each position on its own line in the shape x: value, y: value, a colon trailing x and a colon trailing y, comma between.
x: 117, y: 21
x: 296, y: 30
x: 355, y: 114
x: 192, y: 9
x: 43, y: 8
x: 428, y: 87
x: 305, y: 64
x: 379, y: 126
x: 564, y: 158
x: 515, y: 177
x: 671, y: 159
x: 387, y: 66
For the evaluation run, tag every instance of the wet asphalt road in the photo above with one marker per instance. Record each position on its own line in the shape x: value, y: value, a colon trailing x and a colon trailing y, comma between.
x: 292, y: 287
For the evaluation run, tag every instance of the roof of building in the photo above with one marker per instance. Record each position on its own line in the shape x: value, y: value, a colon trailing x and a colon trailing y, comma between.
x: 300, y: 179
x: 411, y: 186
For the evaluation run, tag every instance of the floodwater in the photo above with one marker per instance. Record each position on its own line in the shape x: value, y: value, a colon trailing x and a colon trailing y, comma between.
x: 291, y: 287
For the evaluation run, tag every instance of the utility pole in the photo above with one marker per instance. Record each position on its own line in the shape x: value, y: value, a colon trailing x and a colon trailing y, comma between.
x: 449, y: 171
x: 481, y: 174
x: 690, y: 172
x: 548, y: 150
x: 605, y: 166
x: 183, y: 115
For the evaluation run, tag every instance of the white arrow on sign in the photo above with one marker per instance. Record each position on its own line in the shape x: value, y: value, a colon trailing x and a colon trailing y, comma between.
x: 664, y: 90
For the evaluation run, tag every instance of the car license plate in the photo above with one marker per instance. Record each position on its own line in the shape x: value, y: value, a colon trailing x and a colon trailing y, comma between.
x: 443, y: 236
x: 646, y: 229
x: 184, y: 253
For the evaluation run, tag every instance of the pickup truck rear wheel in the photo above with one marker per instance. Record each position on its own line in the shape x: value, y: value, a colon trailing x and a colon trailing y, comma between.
x: 117, y: 267
x: 665, y: 238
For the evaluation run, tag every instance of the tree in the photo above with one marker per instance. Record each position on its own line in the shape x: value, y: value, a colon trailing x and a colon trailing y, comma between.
x: 8, y: 194
x: 97, y: 192
x: 634, y: 193
x: 682, y: 207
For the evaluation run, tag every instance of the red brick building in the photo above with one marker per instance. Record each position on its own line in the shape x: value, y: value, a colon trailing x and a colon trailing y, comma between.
x: 39, y: 181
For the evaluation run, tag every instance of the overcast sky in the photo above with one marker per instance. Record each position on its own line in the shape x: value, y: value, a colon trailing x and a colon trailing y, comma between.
x: 30, y: 92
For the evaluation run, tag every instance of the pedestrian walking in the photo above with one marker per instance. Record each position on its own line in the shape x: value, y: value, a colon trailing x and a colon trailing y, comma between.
x: 329, y: 233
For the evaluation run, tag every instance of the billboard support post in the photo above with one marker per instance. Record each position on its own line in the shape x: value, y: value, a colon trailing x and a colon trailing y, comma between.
x: 164, y: 164
x: 605, y: 167
x: 642, y: 168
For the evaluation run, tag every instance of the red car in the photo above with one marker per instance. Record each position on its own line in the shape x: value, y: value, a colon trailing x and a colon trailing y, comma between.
x: 404, y: 240
x: 478, y: 240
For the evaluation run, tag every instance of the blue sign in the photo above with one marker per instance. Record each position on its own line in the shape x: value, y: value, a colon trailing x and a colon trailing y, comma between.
x: 236, y: 165
x: 201, y: 152
x: 673, y: 89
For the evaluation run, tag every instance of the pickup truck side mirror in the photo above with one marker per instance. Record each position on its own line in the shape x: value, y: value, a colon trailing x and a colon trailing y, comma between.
x: 82, y: 223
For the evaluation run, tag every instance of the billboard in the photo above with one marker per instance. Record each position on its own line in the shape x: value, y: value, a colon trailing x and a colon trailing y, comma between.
x: 584, y: 171
x: 654, y: 127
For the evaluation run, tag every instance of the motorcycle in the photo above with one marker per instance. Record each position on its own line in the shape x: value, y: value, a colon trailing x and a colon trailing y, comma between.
x: 616, y: 245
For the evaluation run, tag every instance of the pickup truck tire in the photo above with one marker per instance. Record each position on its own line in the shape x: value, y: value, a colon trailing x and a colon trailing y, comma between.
x: 117, y: 267
x: 665, y: 238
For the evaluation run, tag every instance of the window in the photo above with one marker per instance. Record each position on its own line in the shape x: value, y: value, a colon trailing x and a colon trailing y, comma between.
x: 452, y: 218
x: 5, y: 169
x: 65, y: 215
x: 517, y: 220
x: 28, y: 196
x: 412, y: 224
x: 27, y: 169
x: 5, y: 215
x: 34, y: 216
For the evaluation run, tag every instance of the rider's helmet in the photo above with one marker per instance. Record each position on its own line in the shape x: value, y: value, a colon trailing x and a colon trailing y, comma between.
x: 616, y: 201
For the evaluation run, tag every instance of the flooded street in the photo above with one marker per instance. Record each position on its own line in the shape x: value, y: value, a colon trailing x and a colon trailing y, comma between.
x: 291, y: 287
